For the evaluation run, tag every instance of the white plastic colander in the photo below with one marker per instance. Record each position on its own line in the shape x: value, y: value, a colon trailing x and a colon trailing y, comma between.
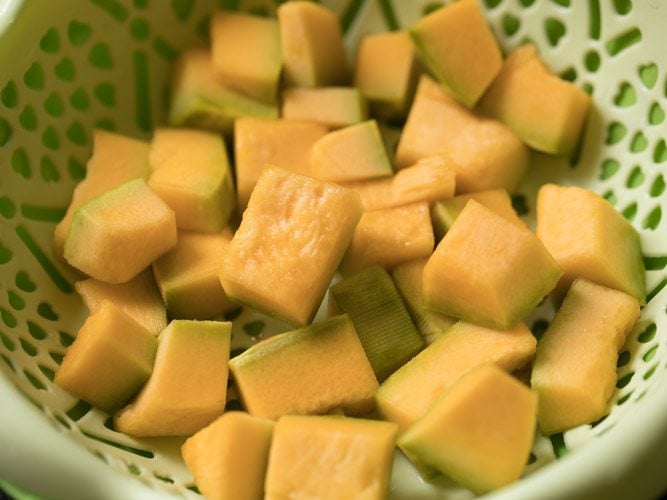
x: 67, y: 66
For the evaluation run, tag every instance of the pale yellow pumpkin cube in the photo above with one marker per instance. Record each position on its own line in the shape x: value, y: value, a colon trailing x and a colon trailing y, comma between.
x: 386, y: 71
x: 312, y: 45
x: 390, y: 237
x: 307, y: 453
x: 188, y: 276
x: 486, y: 255
x: 110, y: 359
x: 260, y: 142
x: 457, y: 45
x: 548, y: 113
x: 115, y: 160
x: 590, y: 240
x: 334, y: 107
x: 191, y: 173
x: 488, y: 155
x: 229, y: 457
x: 199, y: 99
x: 316, y: 369
x: 289, y: 244
x: 445, y: 212
x: 429, y: 180
x: 574, y: 373
x: 408, y: 394
x: 188, y: 387
x: 245, y: 53
x: 117, y: 235
x: 139, y: 298
x: 479, y: 432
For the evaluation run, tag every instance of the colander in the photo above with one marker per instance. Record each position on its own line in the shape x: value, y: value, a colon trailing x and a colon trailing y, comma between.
x: 68, y: 66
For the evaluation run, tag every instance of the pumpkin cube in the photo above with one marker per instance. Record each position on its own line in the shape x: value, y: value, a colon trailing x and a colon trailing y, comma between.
x: 352, y: 153
x: 312, y: 45
x: 312, y: 370
x: 386, y: 71
x: 117, y: 235
x: 191, y: 173
x: 574, y: 373
x: 487, y: 154
x: 408, y: 394
x: 590, y: 240
x: 139, y: 298
x: 390, y: 237
x: 457, y: 45
x: 307, y: 453
x: 479, y: 432
x: 289, y: 244
x: 245, y: 53
x: 486, y: 255
x: 260, y: 142
x: 548, y: 113
x: 188, y: 387
x: 334, y: 107
x: 200, y: 100
x: 110, y: 359
x: 229, y: 457
x: 188, y: 276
